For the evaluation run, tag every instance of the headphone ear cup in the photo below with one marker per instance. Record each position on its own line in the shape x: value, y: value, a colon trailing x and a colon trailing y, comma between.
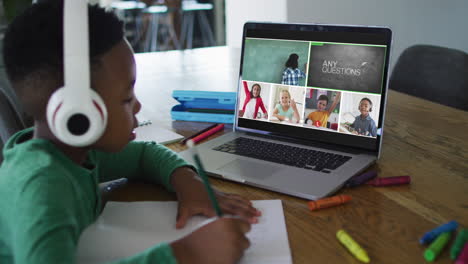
x: 53, y: 106
x: 76, y: 123
x: 370, y: 110
x: 100, y: 107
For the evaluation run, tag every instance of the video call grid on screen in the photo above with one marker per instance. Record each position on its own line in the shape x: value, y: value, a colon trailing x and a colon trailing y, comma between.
x: 321, y: 74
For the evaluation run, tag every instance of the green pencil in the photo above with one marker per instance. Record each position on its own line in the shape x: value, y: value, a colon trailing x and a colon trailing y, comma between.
x: 202, y: 174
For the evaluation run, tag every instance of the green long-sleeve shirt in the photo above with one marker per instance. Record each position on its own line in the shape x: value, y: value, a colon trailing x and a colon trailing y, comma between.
x: 46, y: 200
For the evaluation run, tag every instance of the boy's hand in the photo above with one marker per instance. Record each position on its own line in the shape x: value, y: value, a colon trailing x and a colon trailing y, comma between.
x: 194, y: 200
x: 221, y: 241
x: 198, y: 203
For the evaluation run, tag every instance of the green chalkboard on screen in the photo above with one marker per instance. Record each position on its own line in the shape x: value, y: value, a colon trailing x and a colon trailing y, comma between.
x: 264, y: 59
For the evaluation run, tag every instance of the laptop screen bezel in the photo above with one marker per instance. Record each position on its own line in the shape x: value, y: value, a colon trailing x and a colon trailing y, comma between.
x: 318, y: 32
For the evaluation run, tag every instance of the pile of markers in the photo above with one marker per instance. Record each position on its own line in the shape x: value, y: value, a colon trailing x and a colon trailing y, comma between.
x: 439, y: 237
x: 365, y: 178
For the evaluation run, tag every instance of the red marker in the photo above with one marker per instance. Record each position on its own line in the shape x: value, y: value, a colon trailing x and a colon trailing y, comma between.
x: 208, y: 133
x: 389, y: 181
x: 463, y: 257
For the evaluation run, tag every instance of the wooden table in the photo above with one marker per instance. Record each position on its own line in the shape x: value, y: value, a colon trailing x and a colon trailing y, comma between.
x: 422, y: 139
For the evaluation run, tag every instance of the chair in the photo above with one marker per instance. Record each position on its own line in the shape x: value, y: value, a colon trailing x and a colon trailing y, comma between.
x: 156, y: 12
x: 10, y: 119
x: 190, y: 9
x: 131, y: 13
x: 434, y: 73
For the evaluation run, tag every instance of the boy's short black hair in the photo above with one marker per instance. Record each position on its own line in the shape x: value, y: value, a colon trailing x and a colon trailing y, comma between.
x: 33, y: 46
x: 323, y: 97
x: 366, y: 99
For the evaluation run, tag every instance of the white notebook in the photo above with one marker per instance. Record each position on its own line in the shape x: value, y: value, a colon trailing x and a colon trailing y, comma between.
x: 148, y: 131
x: 127, y: 228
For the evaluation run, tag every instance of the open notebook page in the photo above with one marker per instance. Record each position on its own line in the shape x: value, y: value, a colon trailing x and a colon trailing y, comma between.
x: 127, y: 228
x: 149, y: 131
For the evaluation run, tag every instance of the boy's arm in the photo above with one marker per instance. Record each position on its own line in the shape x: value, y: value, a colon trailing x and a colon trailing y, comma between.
x: 140, y: 160
x: 45, y: 225
x: 49, y: 217
x: 354, y: 122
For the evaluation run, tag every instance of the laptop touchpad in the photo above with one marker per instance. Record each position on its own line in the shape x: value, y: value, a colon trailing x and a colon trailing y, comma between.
x: 250, y: 169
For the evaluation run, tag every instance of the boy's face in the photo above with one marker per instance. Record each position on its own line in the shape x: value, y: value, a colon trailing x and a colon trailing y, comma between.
x: 321, y: 105
x: 364, y: 107
x: 114, y: 80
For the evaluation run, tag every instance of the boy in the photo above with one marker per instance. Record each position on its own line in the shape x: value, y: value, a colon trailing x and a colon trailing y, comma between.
x: 50, y: 190
x: 322, y: 114
x: 364, y: 124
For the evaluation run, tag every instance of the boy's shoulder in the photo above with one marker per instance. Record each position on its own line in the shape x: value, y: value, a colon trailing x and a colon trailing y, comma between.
x: 28, y: 160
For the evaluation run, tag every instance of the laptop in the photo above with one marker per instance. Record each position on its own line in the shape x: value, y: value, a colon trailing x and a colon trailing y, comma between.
x: 310, y: 108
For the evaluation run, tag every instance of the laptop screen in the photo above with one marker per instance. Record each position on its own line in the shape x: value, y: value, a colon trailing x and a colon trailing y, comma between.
x: 315, y: 82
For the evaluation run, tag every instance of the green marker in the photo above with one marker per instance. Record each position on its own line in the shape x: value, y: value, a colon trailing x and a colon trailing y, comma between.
x: 457, y: 246
x: 436, y: 247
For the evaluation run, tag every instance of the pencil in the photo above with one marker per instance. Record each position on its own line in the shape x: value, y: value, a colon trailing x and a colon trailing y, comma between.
x: 198, y: 133
x: 202, y: 174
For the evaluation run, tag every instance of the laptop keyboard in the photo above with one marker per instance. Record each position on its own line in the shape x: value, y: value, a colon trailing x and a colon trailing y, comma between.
x: 284, y: 154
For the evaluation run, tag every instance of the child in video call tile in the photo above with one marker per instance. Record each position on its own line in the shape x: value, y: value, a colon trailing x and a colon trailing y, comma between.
x: 285, y: 110
x: 253, y: 101
x: 292, y: 73
x: 322, y: 114
x: 364, y: 124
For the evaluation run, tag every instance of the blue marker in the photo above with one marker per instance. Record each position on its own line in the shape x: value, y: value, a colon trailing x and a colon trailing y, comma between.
x: 431, y: 235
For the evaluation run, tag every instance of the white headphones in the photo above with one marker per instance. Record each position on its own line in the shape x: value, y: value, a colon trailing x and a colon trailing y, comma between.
x: 76, y: 114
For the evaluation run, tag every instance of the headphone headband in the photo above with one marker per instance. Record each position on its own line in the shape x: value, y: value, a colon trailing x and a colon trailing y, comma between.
x: 76, y: 114
x: 76, y: 48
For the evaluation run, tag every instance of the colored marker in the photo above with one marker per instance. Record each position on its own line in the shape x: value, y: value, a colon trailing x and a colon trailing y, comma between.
x: 436, y: 246
x: 361, y: 179
x: 389, y: 181
x: 208, y: 133
x: 352, y: 246
x: 198, y: 133
x: 431, y: 235
x: 329, y: 202
x: 201, y: 173
x: 457, y: 246
x: 463, y: 258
